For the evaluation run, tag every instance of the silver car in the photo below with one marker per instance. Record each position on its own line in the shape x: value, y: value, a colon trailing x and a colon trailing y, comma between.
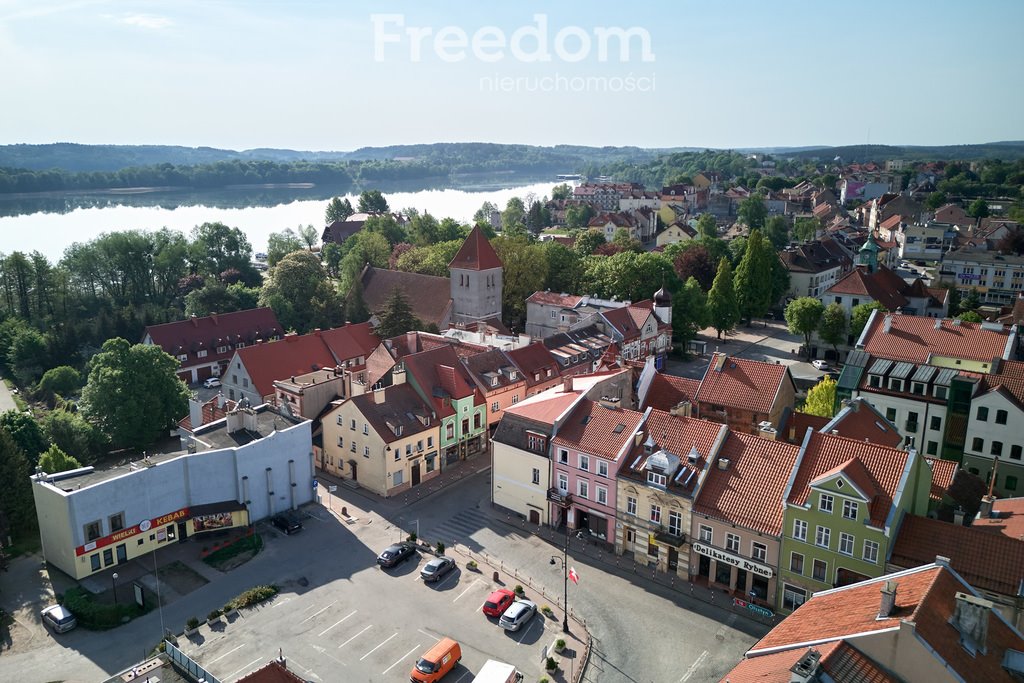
x: 436, y: 568
x: 517, y: 614
x: 59, y: 618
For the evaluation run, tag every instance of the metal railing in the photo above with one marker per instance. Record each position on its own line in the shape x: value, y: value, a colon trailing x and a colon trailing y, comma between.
x: 188, y: 666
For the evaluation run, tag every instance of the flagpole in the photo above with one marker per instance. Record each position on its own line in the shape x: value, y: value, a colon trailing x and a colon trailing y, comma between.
x: 565, y: 577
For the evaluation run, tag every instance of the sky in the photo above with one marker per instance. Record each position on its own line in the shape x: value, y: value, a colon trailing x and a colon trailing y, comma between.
x: 339, y: 75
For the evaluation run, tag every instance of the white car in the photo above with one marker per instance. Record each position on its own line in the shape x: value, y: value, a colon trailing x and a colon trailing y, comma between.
x: 820, y: 364
x: 517, y: 614
x: 212, y: 383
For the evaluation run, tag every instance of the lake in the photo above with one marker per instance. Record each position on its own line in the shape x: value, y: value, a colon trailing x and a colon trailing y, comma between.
x: 51, y: 224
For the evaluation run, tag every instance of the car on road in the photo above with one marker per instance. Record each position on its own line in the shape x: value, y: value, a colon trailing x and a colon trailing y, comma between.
x: 436, y: 568
x: 820, y: 364
x: 59, y: 618
x: 395, y: 553
x: 287, y: 521
x: 498, y: 601
x: 517, y: 614
x: 212, y: 383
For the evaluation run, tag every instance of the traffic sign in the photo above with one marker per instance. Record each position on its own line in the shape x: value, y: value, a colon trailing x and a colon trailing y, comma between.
x: 332, y: 488
x: 315, y: 483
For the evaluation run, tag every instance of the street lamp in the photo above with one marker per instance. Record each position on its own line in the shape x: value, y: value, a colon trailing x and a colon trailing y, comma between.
x: 113, y: 582
x: 565, y: 580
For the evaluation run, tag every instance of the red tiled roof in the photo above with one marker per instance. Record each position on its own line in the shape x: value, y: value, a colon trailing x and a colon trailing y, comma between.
x: 668, y: 391
x: 992, y: 562
x: 925, y: 598
x: 400, y: 407
x: 863, y: 423
x: 351, y: 341
x: 545, y: 407
x: 795, y: 424
x: 629, y: 320
x: 554, y: 299
x: 211, y: 412
x: 476, y: 253
x: 274, y: 672
x: 429, y: 296
x: 839, y: 659
x: 749, y: 384
x: 679, y: 436
x: 749, y: 491
x: 532, y: 359
x: 1009, y: 522
x: 943, y: 472
x: 915, y: 339
x: 293, y: 355
x: 189, y: 335
x: 883, y: 286
x: 439, y: 368
x: 597, y: 430
x: 879, y: 471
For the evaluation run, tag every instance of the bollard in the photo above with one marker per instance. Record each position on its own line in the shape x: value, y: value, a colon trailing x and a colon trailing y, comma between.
x: 495, y: 576
x: 344, y: 511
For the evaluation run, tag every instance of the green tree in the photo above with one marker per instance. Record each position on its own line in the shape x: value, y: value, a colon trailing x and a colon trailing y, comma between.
x: 628, y: 275
x: 62, y: 380
x: 133, y: 393
x: 396, y: 316
x: 308, y: 235
x: 280, y: 244
x: 26, y: 433
x: 578, y: 216
x: 626, y: 242
x: 833, y: 326
x: 779, y: 281
x: 385, y: 225
x: 16, y: 502
x: 74, y: 435
x: 338, y: 209
x: 587, y: 241
x: 806, y: 229
x: 300, y: 293
x: 859, y: 317
x: 28, y: 356
x: 450, y: 229
x: 484, y: 213
x: 707, y: 228
x: 803, y: 316
x: 978, y: 208
x: 332, y: 255
x: 723, y: 309
x: 372, y: 201
x: 563, y: 191
x: 423, y: 229
x: 356, y: 310
x: 55, y: 460
x: 689, y: 312
x: 525, y: 271
x: 565, y: 267
x: 821, y: 398
x: 776, y: 231
x: 753, y: 212
x: 363, y: 248
x: 752, y: 278
x: 970, y: 317
x: 216, y: 248
x: 971, y: 302
x: 513, y: 218
x: 935, y: 200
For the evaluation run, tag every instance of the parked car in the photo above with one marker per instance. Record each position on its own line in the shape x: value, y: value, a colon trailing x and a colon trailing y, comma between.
x: 59, y: 618
x: 498, y: 601
x: 212, y: 383
x: 287, y: 521
x: 441, y: 658
x: 395, y: 553
x: 436, y: 568
x: 820, y: 364
x: 517, y: 614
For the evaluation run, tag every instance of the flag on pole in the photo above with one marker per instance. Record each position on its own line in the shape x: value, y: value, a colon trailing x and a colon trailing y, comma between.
x: 573, y: 576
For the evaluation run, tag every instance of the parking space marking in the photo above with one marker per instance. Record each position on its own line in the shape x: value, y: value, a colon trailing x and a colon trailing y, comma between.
x: 226, y: 654
x: 320, y: 611
x: 400, y: 660
x: 231, y: 675
x: 379, y: 646
x: 291, y: 660
x: 280, y: 602
x: 451, y: 575
x: 693, y: 667
x: 428, y: 635
x: 336, y: 623
x: 355, y: 636
x: 328, y: 654
x: 533, y: 622
x: 459, y: 679
x: 468, y: 588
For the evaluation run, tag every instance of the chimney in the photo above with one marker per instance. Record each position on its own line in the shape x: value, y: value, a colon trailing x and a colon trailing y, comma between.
x: 942, y: 561
x: 719, y: 361
x: 567, y: 384
x: 986, y: 506
x: 958, y: 516
x: 888, y: 323
x: 888, y: 604
x: 723, y: 463
x: 971, y: 620
x: 195, y: 413
x: 378, y: 396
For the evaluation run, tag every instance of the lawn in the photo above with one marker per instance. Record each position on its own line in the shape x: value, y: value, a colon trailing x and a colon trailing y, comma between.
x: 238, y: 553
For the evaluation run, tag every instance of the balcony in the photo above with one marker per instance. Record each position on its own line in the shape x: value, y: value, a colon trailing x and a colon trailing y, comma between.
x: 676, y: 540
x: 559, y: 497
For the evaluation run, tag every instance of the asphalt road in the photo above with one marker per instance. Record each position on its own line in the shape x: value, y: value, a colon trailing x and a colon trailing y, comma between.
x: 640, y: 634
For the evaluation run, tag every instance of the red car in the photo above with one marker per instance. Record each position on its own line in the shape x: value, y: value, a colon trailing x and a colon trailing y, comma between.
x: 498, y: 602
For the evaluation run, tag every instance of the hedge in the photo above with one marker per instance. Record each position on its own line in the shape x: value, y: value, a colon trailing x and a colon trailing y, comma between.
x: 253, y: 596
x: 98, y: 616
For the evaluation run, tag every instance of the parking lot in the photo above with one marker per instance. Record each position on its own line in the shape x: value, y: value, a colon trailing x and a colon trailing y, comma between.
x: 367, y: 623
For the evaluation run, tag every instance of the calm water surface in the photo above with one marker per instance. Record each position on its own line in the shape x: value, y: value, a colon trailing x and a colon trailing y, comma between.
x: 50, y: 233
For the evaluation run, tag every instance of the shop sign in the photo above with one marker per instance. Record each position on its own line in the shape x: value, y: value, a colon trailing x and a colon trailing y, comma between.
x: 734, y: 560
x: 756, y: 609
x: 142, y: 527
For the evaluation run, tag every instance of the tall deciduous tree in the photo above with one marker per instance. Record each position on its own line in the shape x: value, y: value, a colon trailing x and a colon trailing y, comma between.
x: 753, y: 212
x: 821, y: 398
x: 16, y: 504
x: 776, y: 231
x: 806, y: 229
x: 859, y: 316
x: 133, y: 393
x: 723, y: 310
x: 578, y: 216
x: 216, y: 248
x: 695, y: 261
x: 372, y: 201
x: 74, y: 435
x: 587, y: 241
x: 55, y: 460
x: 26, y: 433
x: 308, y: 235
x: 803, y: 316
x: 484, y: 213
x: 396, y: 316
x: 355, y: 304
x: 689, y: 311
x: 280, y: 244
x: 513, y: 218
x: 833, y: 326
x: 300, y: 293
x: 338, y: 209
x: 525, y: 271
x: 978, y: 208
x: 707, y: 228
x: 753, y: 277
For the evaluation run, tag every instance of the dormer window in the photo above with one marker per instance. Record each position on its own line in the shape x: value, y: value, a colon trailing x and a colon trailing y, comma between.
x: 875, y: 381
x: 512, y: 374
x: 536, y: 442
x: 494, y: 381
x: 895, y: 384
x: 657, y: 479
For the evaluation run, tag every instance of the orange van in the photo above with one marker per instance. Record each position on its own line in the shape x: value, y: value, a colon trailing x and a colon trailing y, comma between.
x: 436, y: 662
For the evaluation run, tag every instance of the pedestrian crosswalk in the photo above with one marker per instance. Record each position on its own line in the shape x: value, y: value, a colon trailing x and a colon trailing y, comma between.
x: 459, y: 527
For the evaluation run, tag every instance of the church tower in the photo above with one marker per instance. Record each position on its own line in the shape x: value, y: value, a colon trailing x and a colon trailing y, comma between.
x: 868, y: 254
x: 475, y: 279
